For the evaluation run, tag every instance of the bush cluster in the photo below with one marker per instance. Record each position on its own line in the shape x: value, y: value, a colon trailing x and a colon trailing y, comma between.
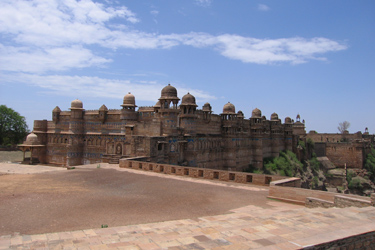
x: 370, y: 164
x: 286, y: 164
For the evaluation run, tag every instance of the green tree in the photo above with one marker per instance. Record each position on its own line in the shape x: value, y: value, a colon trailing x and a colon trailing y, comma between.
x: 13, y: 127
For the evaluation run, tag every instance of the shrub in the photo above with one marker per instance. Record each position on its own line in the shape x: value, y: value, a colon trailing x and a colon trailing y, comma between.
x: 355, y: 183
x: 314, y: 164
x: 286, y: 164
x: 370, y: 164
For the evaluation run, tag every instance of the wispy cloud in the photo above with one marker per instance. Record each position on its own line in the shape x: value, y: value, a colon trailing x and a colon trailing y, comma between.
x: 154, y: 12
x: 204, y: 3
x: 60, y: 35
x: 36, y: 60
x: 263, y: 7
x: 86, y: 86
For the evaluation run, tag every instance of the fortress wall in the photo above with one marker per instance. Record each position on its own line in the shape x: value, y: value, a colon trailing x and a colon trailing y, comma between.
x: 267, y: 147
x: 345, y: 153
x: 328, y: 137
x: 149, y: 128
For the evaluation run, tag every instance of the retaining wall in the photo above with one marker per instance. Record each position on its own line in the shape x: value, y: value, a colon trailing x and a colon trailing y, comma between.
x: 289, y: 190
x: 355, y: 242
x: 204, y: 173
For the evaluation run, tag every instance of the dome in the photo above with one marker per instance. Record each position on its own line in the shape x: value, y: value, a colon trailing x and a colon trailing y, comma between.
x: 32, y: 139
x: 229, y: 108
x: 157, y: 105
x: 188, y: 99
x: 274, y: 116
x: 240, y: 114
x: 76, y: 104
x: 56, y: 109
x: 206, y: 107
x: 103, y: 108
x: 256, y: 113
x: 129, y: 100
x: 169, y: 91
x: 288, y: 120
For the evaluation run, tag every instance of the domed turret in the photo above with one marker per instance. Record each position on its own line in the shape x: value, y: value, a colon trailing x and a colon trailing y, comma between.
x: 129, y: 100
x: 32, y: 139
x: 157, y: 105
x: 274, y: 117
x: 169, y: 91
x: 256, y: 113
x: 168, y: 97
x: 240, y: 114
x: 207, y: 107
x: 229, y: 108
x: 56, y: 114
x: 188, y: 99
x: 56, y: 109
x: 103, y: 108
x: 76, y: 104
x: 288, y: 120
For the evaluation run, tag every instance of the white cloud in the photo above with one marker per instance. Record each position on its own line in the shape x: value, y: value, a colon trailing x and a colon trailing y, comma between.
x: 87, y: 86
x: 263, y: 7
x: 265, y: 51
x: 204, y: 3
x: 154, y: 12
x: 25, y: 59
x: 53, y: 35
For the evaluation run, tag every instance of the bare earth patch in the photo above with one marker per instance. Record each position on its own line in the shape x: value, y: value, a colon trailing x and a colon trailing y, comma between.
x: 87, y: 198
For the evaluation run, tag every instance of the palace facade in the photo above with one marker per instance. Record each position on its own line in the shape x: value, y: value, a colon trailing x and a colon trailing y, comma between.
x: 170, y: 132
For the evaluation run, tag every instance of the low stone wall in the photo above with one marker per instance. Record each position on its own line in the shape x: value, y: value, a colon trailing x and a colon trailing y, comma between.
x: 356, y: 242
x: 344, y: 201
x: 204, y: 173
x: 315, y: 202
x: 285, y: 191
x: 289, y: 182
x: 298, y: 195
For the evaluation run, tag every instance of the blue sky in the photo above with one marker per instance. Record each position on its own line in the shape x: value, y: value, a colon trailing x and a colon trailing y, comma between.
x: 313, y: 58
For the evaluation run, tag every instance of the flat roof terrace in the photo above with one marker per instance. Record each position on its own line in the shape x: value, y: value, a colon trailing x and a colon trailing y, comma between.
x: 54, y: 207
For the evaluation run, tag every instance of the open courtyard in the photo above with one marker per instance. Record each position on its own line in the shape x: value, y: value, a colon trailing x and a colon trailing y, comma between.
x: 50, y: 207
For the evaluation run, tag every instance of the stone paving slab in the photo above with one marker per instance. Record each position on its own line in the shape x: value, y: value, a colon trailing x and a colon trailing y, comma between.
x: 282, y: 226
x: 250, y: 227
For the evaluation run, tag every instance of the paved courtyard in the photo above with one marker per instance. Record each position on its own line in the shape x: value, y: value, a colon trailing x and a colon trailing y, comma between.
x: 64, y: 209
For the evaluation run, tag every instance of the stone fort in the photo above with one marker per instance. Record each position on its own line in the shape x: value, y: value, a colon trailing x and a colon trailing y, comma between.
x: 168, y: 132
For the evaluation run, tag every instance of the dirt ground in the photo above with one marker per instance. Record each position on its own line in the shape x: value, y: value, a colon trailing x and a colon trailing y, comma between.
x: 87, y: 198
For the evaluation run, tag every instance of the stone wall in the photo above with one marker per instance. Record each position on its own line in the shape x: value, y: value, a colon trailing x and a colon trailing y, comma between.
x: 344, y: 201
x: 312, y: 202
x: 204, y: 173
x: 330, y: 137
x: 313, y: 198
x: 350, y: 154
x: 356, y: 242
x: 298, y: 195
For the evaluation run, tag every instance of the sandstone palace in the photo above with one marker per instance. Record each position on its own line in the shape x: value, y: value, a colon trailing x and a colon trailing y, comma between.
x: 170, y: 132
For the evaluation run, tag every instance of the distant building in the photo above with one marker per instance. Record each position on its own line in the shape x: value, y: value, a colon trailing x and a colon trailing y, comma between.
x: 168, y: 132
x: 343, y: 149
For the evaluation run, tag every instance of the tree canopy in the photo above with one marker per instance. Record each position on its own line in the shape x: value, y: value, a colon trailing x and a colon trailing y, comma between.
x: 343, y: 126
x: 13, y: 127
